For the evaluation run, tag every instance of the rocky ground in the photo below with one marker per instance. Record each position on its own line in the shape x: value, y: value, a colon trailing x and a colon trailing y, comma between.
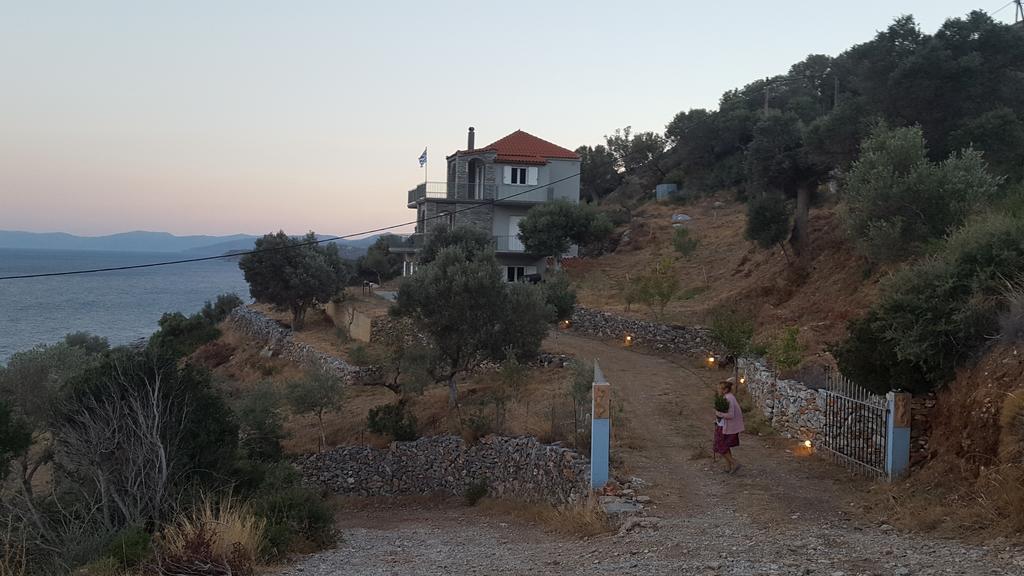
x: 786, y: 512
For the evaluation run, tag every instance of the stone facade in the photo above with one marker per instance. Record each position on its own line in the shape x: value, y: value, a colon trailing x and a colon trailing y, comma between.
x: 512, y: 468
x: 662, y: 337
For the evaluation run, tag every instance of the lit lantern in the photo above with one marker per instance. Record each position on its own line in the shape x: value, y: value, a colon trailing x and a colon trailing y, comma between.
x: 743, y: 379
x: 711, y: 361
x: 629, y: 340
x: 807, y: 443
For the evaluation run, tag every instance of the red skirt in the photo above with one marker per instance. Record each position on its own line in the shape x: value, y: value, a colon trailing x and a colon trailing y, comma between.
x: 724, y: 442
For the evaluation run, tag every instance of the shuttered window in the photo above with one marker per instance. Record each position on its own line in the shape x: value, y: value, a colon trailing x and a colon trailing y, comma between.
x: 520, y: 175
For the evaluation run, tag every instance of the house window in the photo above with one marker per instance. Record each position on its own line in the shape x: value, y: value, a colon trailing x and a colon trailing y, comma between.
x: 514, y: 273
x: 447, y: 218
x: 520, y: 175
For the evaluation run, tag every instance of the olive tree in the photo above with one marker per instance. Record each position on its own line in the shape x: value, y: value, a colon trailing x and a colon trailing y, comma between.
x: 294, y: 273
x: 469, y: 315
x: 551, y: 228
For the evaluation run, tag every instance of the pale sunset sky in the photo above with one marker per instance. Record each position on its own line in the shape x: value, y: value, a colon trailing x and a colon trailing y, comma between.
x: 222, y: 117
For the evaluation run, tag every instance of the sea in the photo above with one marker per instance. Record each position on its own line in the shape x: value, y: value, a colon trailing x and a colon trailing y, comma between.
x: 122, y: 306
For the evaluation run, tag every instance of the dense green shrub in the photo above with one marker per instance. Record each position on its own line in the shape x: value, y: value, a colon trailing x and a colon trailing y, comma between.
x: 89, y: 343
x: 394, y: 420
x: 768, y: 221
x: 684, y: 242
x: 131, y: 547
x: 215, y: 312
x: 475, y: 492
x: 559, y: 295
x: 360, y: 355
x: 936, y: 314
x: 15, y: 438
x: 293, y: 512
x: 785, y: 352
x: 181, y: 335
x: 897, y: 200
x: 261, y: 424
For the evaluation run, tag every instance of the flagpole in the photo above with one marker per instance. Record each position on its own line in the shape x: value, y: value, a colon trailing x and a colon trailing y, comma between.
x: 425, y: 169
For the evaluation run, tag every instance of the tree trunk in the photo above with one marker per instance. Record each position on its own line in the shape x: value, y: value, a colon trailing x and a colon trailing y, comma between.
x: 453, y: 392
x: 800, y: 238
x: 298, y: 317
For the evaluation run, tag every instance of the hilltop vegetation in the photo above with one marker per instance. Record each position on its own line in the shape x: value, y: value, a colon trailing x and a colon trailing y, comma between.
x: 920, y: 134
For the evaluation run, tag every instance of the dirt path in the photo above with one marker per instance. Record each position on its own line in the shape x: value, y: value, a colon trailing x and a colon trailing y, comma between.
x: 668, y: 416
x: 782, y: 514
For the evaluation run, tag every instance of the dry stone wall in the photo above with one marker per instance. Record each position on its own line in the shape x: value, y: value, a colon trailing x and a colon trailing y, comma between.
x: 278, y: 341
x: 663, y: 337
x: 512, y: 468
x: 789, y: 406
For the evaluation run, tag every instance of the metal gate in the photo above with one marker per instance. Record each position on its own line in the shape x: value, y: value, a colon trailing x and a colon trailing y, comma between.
x: 855, y: 426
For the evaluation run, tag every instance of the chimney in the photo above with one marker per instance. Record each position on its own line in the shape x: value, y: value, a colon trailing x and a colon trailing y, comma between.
x: 471, y: 139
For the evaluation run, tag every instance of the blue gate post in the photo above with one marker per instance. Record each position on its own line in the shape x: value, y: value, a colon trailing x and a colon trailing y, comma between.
x: 897, y: 433
x: 600, y: 429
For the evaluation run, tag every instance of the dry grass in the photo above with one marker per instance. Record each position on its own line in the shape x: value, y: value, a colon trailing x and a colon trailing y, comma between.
x: 725, y: 268
x: 228, y: 522
x: 585, y: 518
x: 542, y: 408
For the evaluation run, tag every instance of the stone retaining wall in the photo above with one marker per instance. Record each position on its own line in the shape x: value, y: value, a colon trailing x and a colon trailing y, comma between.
x: 278, y: 341
x: 513, y: 468
x: 789, y: 406
x: 663, y: 337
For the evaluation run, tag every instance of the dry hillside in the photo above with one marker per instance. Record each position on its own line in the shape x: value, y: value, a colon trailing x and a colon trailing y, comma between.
x: 727, y: 270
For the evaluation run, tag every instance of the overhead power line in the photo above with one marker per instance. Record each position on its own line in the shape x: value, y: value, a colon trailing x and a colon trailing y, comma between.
x: 299, y: 245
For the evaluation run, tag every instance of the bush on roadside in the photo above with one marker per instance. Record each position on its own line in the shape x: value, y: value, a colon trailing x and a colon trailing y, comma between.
x: 935, y: 315
x: 475, y: 492
x: 295, y: 516
x: 559, y: 295
x: 394, y: 420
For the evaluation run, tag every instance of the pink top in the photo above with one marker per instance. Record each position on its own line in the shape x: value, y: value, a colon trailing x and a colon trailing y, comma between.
x: 733, y: 418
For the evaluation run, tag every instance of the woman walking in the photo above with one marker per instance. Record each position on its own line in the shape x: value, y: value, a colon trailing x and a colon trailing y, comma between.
x: 727, y: 434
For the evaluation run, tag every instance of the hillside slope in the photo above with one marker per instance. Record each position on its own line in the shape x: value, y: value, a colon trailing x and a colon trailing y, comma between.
x: 726, y: 270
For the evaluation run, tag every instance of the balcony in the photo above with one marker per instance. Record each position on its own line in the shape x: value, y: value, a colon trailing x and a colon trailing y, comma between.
x: 436, y: 190
x: 509, y: 244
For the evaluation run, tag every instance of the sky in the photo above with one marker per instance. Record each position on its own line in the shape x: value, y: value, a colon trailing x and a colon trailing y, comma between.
x: 250, y: 116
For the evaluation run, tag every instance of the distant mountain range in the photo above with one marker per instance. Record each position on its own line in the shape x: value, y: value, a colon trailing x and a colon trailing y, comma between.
x: 141, y: 241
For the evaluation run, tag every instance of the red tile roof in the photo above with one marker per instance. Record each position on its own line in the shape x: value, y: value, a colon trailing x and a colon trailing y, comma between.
x: 523, y: 148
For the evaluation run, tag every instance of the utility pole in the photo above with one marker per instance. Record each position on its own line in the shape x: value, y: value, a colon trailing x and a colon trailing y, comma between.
x: 767, y: 86
x: 1018, y: 17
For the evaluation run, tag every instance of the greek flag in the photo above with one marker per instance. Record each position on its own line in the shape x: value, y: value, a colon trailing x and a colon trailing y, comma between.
x: 423, y: 158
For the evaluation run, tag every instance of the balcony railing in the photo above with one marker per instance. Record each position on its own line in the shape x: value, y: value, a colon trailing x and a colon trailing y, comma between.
x: 429, y: 190
x: 508, y: 244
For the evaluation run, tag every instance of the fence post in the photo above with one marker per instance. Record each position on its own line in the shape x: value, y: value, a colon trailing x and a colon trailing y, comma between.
x: 600, y: 429
x: 897, y: 432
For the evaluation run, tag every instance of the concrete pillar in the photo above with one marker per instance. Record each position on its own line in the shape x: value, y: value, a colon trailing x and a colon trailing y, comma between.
x: 897, y: 434
x: 600, y: 429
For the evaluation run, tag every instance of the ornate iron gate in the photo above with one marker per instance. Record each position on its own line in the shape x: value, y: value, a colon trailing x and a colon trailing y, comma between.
x: 855, y: 426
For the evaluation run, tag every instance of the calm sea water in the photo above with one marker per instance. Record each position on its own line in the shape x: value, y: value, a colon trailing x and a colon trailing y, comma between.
x: 121, y: 306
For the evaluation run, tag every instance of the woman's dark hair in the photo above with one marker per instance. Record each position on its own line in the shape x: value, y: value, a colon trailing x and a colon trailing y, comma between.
x: 727, y: 384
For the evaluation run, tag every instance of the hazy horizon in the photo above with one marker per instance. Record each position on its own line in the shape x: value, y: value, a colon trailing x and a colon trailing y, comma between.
x: 244, y: 118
